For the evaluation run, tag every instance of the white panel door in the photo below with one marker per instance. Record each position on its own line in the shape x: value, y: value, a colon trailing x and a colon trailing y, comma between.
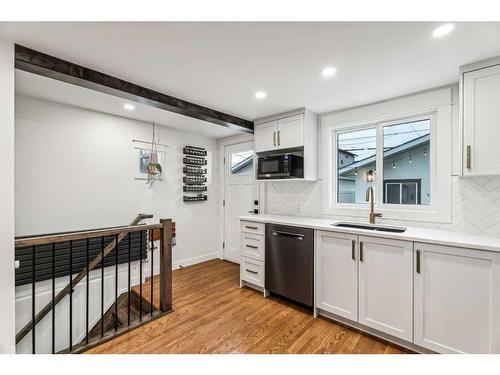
x: 481, y: 116
x: 337, y: 274
x: 457, y: 299
x: 386, y: 285
x: 290, y: 132
x: 265, y: 136
x: 240, y: 191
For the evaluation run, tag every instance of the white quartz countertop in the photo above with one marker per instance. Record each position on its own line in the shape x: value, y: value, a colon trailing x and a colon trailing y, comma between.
x: 434, y: 236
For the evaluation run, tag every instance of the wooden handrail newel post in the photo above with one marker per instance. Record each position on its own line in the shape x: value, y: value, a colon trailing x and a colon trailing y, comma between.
x: 166, y: 265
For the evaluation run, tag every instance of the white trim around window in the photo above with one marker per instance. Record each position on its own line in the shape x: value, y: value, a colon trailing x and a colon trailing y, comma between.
x: 436, y: 106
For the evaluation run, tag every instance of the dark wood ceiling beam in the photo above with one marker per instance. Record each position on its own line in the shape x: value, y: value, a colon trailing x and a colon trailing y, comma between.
x: 49, y: 66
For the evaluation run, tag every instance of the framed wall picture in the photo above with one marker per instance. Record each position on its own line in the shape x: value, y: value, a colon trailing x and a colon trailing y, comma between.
x: 141, y: 156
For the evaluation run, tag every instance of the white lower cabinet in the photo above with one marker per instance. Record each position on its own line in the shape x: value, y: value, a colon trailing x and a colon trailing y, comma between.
x: 337, y: 273
x: 367, y: 280
x: 386, y: 285
x: 457, y: 299
x: 253, y: 250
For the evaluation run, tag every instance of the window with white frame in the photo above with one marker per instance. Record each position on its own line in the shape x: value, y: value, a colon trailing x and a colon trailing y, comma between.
x: 397, y: 153
x: 401, y: 148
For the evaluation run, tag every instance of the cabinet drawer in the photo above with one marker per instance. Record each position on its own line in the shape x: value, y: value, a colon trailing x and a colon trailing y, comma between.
x: 253, y: 227
x: 252, y: 271
x: 252, y: 246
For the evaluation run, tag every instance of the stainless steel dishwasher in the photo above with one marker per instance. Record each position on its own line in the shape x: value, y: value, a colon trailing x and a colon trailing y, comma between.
x: 290, y: 263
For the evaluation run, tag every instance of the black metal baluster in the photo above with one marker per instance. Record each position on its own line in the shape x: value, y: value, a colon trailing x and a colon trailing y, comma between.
x: 53, y: 297
x: 140, y: 277
x: 128, y: 301
x: 33, y: 344
x: 102, y: 287
x: 152, y: 271
x: 116, y: 282
x: 71, y: 295
x: 87, y: 298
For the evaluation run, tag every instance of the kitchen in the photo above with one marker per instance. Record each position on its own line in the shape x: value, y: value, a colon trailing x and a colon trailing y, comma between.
x: 391, y: 262
x: 338, y: 198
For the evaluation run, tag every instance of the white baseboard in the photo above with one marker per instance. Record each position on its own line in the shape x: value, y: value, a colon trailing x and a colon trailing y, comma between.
x: 194, y: 260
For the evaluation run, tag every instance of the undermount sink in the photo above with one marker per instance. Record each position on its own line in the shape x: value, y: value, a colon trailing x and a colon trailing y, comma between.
x: 378, y: 228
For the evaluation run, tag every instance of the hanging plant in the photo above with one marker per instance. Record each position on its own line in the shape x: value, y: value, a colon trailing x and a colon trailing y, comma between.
x: 153, y: 167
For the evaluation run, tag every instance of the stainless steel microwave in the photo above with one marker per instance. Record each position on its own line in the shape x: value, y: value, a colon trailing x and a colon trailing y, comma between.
x: 280, y: 166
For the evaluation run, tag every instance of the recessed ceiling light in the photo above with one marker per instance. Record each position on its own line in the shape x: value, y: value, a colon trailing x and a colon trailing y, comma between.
x: 260, y: 95
x: 442, y: 30
x: 329, y: 72
x: 129, y: 107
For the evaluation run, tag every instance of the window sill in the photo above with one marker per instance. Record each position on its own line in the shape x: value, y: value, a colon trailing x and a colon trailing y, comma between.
x: 417, y: 213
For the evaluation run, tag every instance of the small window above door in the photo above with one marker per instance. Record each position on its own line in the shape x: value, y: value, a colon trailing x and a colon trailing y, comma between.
x: 241, y: 162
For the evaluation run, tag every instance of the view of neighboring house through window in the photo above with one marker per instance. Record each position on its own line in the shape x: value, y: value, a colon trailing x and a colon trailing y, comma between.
x: 356, y: 155
x: 242, y: 162
x: 406, y: 162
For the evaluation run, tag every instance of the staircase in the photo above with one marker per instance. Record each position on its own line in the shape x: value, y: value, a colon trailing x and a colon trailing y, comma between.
x: 97, y: 251
x: 123, y: 319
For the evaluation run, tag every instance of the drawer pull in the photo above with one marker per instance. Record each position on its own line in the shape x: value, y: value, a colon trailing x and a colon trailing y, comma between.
x: 469, y: 157
x: 249, y: 227
x: 252, y: 246
x: 250, y: 271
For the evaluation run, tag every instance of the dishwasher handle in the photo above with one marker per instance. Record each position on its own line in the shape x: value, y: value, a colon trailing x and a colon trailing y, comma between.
x: 287, y: 234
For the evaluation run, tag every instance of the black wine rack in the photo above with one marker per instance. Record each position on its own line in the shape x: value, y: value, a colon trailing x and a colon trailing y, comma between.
x: 194, y: 170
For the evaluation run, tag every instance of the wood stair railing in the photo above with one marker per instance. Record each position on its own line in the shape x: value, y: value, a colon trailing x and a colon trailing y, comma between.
x: 165, y: 227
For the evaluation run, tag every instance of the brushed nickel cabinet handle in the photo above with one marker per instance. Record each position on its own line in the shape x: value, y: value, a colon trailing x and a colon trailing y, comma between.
x: 248, y: 227
x: 353, y: 255
x: 418, y: 261
x: 279, y: 143
x: 469, y: 157
x: 274, y: 138
x: 361, y: 251
x: 254, y: 272
x: 252, y: 246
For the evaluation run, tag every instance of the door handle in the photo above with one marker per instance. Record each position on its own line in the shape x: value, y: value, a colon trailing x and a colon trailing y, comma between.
x: 361, y: 251
x: 418, y: 261
x: 288, y: 234
x: 469, y: 157
x: 254, y: 272
x: 274, y: 138
x: 353, y: 255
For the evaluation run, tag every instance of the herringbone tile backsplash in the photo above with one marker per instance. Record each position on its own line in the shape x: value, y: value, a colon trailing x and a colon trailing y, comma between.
x: 475, y: 204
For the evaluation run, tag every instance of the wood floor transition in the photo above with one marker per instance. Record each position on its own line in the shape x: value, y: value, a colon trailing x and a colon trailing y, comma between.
x: 212, y: 314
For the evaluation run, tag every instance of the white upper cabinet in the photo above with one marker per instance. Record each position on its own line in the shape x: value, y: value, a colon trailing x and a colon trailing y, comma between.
x: 291, y: 132
x: 296, y: 132
x: 457, y: 299
x: 386, y: 285
x: 337, y: 273
x: 480, y: 115
x: 265, y: 136
x: 287, y: 130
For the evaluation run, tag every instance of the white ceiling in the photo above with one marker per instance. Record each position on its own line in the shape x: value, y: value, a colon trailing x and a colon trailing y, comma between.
x: 221, y: 65
x: 62, y: 92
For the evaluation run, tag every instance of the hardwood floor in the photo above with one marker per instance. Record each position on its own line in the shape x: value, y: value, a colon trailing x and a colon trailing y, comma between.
x: 212, y: 314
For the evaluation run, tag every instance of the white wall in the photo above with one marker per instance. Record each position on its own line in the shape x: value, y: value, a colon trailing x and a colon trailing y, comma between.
x: 475, y: 201
x: 7, y: 333
x: 75, y: 170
